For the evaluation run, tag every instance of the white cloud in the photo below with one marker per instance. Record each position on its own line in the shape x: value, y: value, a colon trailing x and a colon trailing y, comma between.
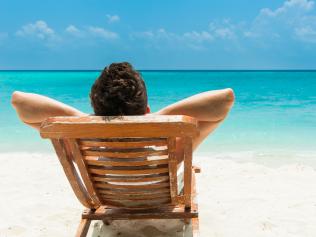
x: 224, y: 29
x: 289, y: 5
x: 193, y: 39
x: 146, y: 34
x: 103, y: 33
x: 225, y: 33
x: 198, y: 36
x: 154, y: 35
x: 163, y: 34
x: 305, y: 4
x: 75, y: 32
x: 91, y: 31
x: 161, y: 37
x: 290, y: 12
x: 71, y: 29
x: 112, y: 18
x: 307, y: 34
x: 294, y: 19
x: 39, y: 30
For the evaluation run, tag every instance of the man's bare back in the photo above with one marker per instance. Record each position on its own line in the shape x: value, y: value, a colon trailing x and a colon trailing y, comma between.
x: 209, y: 108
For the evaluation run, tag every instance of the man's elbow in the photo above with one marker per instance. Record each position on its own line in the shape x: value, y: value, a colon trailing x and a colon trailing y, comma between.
x: 228, y: 104
x: 230, y: 96
x: 16, y: 98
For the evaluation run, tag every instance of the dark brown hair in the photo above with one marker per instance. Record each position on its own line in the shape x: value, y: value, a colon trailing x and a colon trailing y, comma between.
x: 119, y: 90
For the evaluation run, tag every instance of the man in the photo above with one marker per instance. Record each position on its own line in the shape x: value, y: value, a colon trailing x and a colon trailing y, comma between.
x: 120, y: 90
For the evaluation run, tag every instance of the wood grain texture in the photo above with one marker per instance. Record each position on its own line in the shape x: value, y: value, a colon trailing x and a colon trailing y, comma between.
x: 166, y: 212
x: 83, y: 169
x: 83, y: 228
x: 113, y: 154
x: 128, y: 165
x: 187, y: 171
x: 127, y: 126
x: 132, y: 187
x: 135, y: 192
x: 122, y: 172
x: 123, y: 119
x: 135, y: 144
x: 194, y: 206
x: 132, y: 179
x: 99, y: 162
x: 173, y: 169
x: 140, y: 196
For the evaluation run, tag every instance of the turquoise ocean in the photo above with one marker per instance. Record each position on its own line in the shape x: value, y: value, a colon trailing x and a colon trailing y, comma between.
x: 274, y: 116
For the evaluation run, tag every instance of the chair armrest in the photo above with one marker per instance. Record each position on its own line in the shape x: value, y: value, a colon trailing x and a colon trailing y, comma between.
x: 196, y: 169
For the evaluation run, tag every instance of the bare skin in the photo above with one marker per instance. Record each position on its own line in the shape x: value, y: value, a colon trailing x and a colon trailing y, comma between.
x: 208, y: 108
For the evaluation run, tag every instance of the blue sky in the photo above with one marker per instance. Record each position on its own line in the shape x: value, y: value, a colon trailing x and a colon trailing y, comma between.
x: 186, y: 34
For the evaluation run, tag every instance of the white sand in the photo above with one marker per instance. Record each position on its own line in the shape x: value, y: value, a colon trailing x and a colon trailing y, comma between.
x: 236, y: 199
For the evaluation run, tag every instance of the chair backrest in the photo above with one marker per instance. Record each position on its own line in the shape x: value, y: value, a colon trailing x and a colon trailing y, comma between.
x: 128, y: 161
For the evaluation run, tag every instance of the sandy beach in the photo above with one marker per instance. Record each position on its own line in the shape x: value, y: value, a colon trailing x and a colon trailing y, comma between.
x: 244, y: 199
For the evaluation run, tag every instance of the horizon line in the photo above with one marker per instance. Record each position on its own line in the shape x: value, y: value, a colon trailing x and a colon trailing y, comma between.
x: 166, y: 70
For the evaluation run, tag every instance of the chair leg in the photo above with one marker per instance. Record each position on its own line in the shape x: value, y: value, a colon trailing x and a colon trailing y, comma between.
x: 195, y: 227
x: 107, y: 222
x: 83, y: 228
x: 187, y: 221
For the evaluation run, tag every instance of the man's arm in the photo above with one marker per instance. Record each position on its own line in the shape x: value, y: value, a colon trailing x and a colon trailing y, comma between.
x: 33, y: 109
x: 209, y: 108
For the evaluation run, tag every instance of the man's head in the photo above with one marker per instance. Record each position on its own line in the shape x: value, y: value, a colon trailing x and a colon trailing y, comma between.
x: 119, y: 90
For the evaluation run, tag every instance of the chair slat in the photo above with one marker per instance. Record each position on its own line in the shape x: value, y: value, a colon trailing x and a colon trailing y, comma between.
x: 98, y: 162
x: 140, y: 200
x: 132, y: 179
x: 141, y: 196
x: 131, y: 167
x: 135, y: 198
x: 133, y: 192
x: 122, y: 172
x: 137, y: 205
x: 132, y: 187
x: 124, y: 154
x: 136, y: 144
x: 149, y: 119
x: 128, y: 126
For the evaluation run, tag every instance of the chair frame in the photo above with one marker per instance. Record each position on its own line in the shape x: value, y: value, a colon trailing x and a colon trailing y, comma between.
x: 67, y: 134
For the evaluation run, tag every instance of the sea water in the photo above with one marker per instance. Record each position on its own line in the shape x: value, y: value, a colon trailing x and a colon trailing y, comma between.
x: 274, y: 112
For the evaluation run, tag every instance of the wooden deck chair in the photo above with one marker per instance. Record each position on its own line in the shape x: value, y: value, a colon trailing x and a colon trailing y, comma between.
x: 126, y: 167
